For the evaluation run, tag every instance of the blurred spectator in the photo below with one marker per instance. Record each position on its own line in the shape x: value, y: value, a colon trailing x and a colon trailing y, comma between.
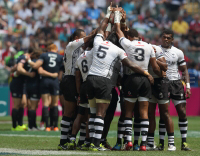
x: 47, y: 29
x: 6, y: 51
x: 163, y: 20
x: 183, y: 43
x: 75, y: 8
x: 18, y: 29
x: 195, y: 25
x: 92, y: 11
x: 149, y: 20
x: 187, y: 17
x: 25, y: 41
x: 128, y: 6
x: 100, y: 4
x: 25, y: 12
x: 55, y: 14
x: 156, y: 40
x: 180, y: 27
x: 40, y: 11
x: 3, y: 22
x: 194, y: 73
x: 84, y: 19
x: 174, y: 6
x: 140, y: 26
x: 31, y: 28
x: 64, y: 35
x: 49, y: 6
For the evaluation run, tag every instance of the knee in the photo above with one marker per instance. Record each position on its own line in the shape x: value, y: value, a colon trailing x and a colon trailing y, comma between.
x: 182, y: 114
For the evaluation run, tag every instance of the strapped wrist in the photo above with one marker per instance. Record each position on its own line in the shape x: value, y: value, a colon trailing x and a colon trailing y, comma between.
x: 188, y: 85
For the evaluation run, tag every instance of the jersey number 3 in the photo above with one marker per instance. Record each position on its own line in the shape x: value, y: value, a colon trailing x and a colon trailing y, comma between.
x: 102, y: 52
x: 140, y: 54
x: 84, y: 66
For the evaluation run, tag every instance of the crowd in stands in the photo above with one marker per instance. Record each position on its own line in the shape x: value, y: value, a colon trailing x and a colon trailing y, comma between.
x: 33, y: 23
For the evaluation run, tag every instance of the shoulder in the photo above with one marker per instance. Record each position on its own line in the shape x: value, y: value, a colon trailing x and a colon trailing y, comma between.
x: 177, y: 51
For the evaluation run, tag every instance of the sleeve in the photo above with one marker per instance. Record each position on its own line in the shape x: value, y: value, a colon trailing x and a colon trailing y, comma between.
x: 181, y: 59
x: 21, y: 59
x: 98, y: 38
x: 124, y: 42
x: 121, y: 54
x: 159, y: 52
x: 77, y: 43
x: 42, y: 56
x: 152, y: 52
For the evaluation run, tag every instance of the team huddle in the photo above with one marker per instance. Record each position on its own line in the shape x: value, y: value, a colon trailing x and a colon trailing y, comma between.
x: 110, y: 62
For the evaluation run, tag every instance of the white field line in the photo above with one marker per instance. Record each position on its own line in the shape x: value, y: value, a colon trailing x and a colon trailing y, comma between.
x: 7, y: 151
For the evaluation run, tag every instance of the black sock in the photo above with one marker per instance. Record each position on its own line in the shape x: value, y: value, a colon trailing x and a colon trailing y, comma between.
x: 162, y: 131
x: 150, y: 139
x: 120, y: 130
x: 42, y: 119
x: 183, y: 125
x: 30, y: 118
x: 34, y: 119
x: 128, y: 129
x: 14, y: 117
x: 20, y: 116
x: 55, y: 116
x: 64, y: 128
x: 170, y: 139
x: 51, y: 116
x: 82, y: 133
x: 144, y: 123
x: 46, y: 116
x: 137, y: 129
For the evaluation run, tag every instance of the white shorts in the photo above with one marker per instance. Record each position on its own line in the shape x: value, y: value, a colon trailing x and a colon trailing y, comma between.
x: 176, y: 102
x: 155, y: 100
x: 133, y: 100
x: 85, y: 105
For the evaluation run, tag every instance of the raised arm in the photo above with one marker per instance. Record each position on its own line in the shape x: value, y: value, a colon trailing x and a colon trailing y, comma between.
x: 118, y: 16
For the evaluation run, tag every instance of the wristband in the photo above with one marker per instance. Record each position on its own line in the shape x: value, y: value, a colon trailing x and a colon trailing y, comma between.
x: 146, y: 73
x: 15, y: 74
x: 188, y: 85
x: 108, y: 12
x: 29, y: 61
x: 109, y: 27
x: 123, y: 23
x: 117, y: 17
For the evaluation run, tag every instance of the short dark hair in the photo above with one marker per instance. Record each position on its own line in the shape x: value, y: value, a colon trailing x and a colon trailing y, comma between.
x: 77, y: 32
x: 30, y: 50
x: 90, y: 43
x: 167, y: 31
x: 133, y: 33
x: 113, y: 38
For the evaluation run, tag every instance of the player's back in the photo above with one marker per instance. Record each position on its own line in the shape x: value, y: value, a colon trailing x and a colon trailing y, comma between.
x: 51, y: 62
x: 138, y: 52
x: 105, y: 55
x: 84, y: 63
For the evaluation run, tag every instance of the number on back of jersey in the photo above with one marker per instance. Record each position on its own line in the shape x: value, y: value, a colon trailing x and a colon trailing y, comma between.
x: 139, y: 54
x: 102, y: 52
x: 84, y: 65
x: 52, y: 62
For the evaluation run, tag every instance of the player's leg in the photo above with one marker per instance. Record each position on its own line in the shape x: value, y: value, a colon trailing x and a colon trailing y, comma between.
x: 62, y: 101
x: 21, y: 109
x: 136, y: 126
x: 54, y: 104
x: 152, y: 123
x: 109, y: 117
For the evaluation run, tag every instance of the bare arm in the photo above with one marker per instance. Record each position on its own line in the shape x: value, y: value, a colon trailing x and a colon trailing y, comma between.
x: 21, y: 70
x: 137, y: 69
x: 36, y: 64
x: 162, y: 64
x: 60, y: 75
x: 78, y: 81
x: 43, y: 72
x: 90, y: 36
x: 14, y: 68
x: 155, y: 67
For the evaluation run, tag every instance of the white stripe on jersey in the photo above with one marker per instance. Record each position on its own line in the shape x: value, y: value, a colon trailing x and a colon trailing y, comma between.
x: 72, y: 52
x: 174, y: 58
x: 158, y: 54
x: 84, y: 62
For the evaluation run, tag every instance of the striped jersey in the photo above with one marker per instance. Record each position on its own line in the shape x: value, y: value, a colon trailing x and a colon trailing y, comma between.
x: 174, y: 58
x: 158, y: 54
x: 105, y: 55
x: 72, y: 52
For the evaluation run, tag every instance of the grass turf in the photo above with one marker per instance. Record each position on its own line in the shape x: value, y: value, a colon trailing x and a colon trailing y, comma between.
x: 49, y: 140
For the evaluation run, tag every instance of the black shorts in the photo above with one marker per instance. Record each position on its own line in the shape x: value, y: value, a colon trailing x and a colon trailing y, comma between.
x: 49, y: 86
x: 137, y: 85
x: 160, y: 89
x: 176, y: 90
x: 99, y: 87
x: 16, y: 88
x: 83, y: 110
x: 113, y: 103
x: 68, y: 87
x: 33, y: 91
x: 83, y: 93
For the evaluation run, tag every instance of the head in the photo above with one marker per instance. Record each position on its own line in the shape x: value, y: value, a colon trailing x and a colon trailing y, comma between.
x: 91, y: 4
x: 133, y: 34
x: 90, y: 44
x: 79, y: 33
x: 53, y: 48
x: 167, y: 36
x: 18, y: 23
x: 196, y: 17
x: 162, y: 11
x: 180, y: 18
x: 140, y: 18
x: 148, y: 13
x: 36, y: 53
x: 112, y: 37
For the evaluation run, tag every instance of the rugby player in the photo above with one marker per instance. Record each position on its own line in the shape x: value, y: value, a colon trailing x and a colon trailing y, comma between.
x: 176, y: 62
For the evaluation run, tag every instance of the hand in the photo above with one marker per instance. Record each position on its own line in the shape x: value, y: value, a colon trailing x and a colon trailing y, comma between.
x: 54, y: 75
x: 110, y: 8
x: 118, y: 9
x: 188, y: 93
x: 32, y: 74
x: 123, y: 16
x: 164, y: 74
x: 151, y: 79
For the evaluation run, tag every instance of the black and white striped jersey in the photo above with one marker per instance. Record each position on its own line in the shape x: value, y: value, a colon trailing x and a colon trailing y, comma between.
x: 174, y: 58
x: 158, y: 54
x: 105, y: 55
x: 72, y: 52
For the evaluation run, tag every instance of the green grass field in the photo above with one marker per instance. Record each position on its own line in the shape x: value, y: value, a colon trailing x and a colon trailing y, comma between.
x: 45, y: 143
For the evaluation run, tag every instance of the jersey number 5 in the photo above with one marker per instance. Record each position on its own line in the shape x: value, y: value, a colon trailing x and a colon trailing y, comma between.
x: 140, y: 54
x: 52, y: 62
x: 101, y: 52
x: 84, y: 66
